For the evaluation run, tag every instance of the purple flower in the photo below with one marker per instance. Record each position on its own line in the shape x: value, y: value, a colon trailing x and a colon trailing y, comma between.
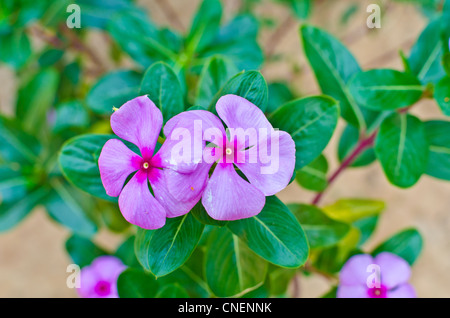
x: 250, y: 140
x: 99, y: 280
x: 139, y: 121
x: 391, y: 272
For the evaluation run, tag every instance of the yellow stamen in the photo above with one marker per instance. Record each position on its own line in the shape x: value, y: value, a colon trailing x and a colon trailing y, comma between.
x: 145, y: 165
x: 115, y: 108
x: 228, y: 151
x: 192, y: 188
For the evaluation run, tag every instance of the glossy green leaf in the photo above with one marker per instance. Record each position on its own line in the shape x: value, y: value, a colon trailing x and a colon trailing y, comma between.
x: 205, y: 25
x: 216, y: 72
x: 274, y: 234
x: 11, y: 213
x: 113, y: 90
x: 348, y: 142
x: 71, y: 208
x: 333, y: 66
x: 172, y: 291
x: 401, y: 147
x: 279, y: 94
x: 320, y: 230
x: 426, y: 54
x: 406, y: 244
x: 385, y: 89
x: 36, y: 98
x: 15, y: 48
x: 231, y: 268
x: 135, y: 283
x: 69, y: 115
x: 442, y: 95
x: 126, y: 253
x: 351, y: 210
x: 97, y: 13
x: 279, y: 280
x: 250, y: 85
x: 164, y: 250
x: 301, y: 8
x: 161, y: 85
x: 140, y: 38
x: 13, y: 184
x: 16, y: 145
x: 79, y: 163
x: 311, y: 122
x: 82, y: 250
x: 314, y: 175
x: 438, y: 134
x: 237, y: 41
x: 366, y: 227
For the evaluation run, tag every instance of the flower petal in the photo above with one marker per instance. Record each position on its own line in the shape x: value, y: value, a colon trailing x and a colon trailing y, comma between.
x: 185, y: 141
x: 354, y: 291
x: 138, y: 121
x: 237, y: 112
x: 116, y: 163
x: 173, y: 207
x: 138, y: 206
x: 272, y: 166
x: 354, y: 272
x: 88, y: 280
x: 228, y: 197
x: 187, y: 186
x: 394, y: 270
x: 402, y: 291
x: 108, y: 268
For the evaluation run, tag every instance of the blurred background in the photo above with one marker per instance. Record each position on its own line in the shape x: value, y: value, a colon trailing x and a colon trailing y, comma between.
x: 33, y: 260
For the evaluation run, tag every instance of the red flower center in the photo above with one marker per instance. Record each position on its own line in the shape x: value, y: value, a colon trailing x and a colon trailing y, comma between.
x: 102, y: 288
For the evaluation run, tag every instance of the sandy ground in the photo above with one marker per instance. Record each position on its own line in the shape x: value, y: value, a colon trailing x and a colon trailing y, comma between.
x: 32, y: 257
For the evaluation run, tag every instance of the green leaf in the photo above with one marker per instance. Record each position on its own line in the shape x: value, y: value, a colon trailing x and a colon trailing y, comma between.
x: 17, y: 145
x: 237, y: 41
x: 126, y: 253
x: 348, y: 142
x: 314, y: 176
x: 11, y: 213
x: 164, y: 250
x: 320, y: 230
x: 113, y: 90
x: 15, y: 48
x: 135, y: 283
x: 279, y: 94
x: 199, y: 212
x: 172, y: 291
x: 35, y: 99
x: 333, y: 66
x: 426, y: 54
x: 162, y: 86
x: 205, y: 25
x: 401, y: 147
x: 406, y: 244
x: 366, y: 227
x: 311, y: 122
x: 385, y: 89
x: 79, y: 163
x: 250, y: 85
x: 301, y: 8
x: 97, y: 13
x: 14, y: 185
x: 82, y: 250
x: 438, y: 135
x: 442, y: 95
x: 215, y: 73
x: 231, y: 268
x: 69, y: 115
x: 274, y: 234
x: 279, y: 280
x: 140, y: 38
x: 351, y: 210
x: 71, y: 208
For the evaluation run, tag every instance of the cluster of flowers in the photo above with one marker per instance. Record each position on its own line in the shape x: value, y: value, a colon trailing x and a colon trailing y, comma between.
x: 178, y: 184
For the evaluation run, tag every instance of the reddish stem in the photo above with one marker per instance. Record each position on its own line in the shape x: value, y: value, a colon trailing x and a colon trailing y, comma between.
x: 362, y: 145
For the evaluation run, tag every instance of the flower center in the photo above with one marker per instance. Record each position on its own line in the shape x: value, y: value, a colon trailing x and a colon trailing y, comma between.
x: 102, y: 288
x: 228, y: 151
x: 377, y: 292
x: 145, y: 165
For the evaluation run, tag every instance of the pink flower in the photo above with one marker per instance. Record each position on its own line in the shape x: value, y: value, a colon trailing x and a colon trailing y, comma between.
x: 393, y: 274
x: 99, y: 280
x: 227, y: 195
x: 139, y: 121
